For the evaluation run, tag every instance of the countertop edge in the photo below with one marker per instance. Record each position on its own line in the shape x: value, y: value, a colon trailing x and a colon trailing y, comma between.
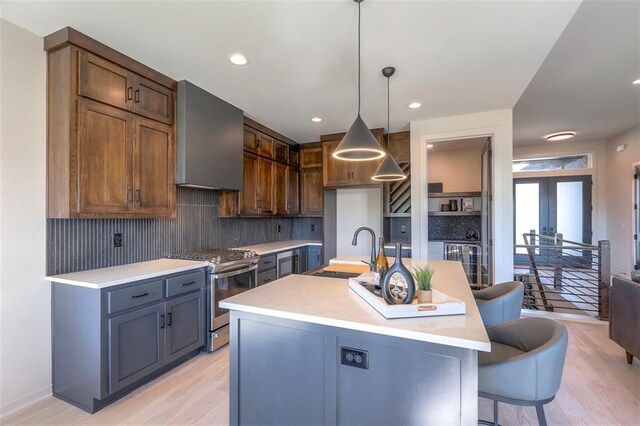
x: 279, y: 249
x: 356, y: 326
x: 97, y: 286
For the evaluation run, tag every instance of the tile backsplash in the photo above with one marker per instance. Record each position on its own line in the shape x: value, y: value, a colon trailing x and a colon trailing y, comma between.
x: 80, y: 244
x: 452, y: 227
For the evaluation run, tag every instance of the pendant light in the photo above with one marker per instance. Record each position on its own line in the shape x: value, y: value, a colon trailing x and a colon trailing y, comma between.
x: 388, y: 170
x: 359, y: 144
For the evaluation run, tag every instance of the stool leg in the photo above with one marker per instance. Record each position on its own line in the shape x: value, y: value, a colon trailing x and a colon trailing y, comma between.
x: 495, y: 412
x: 542, y: 420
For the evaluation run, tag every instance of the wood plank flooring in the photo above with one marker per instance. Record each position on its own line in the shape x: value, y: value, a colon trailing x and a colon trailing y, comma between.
x: 598, y: 388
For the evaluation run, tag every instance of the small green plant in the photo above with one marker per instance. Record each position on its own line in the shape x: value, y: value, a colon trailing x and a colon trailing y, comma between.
x: 423, y: 277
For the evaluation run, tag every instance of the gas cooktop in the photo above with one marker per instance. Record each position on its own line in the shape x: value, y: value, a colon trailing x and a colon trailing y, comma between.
x: 220, y: 258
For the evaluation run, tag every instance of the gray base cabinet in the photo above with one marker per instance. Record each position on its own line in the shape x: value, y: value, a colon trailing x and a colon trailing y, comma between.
x: 106, y: 342
x: 315, y: 257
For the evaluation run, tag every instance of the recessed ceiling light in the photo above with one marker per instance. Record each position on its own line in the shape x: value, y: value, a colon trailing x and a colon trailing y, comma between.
x: 238, y: 59
x: 430, y: 145
x: 559, y: 136
x: 316, y: 119
x: 414, y: 105
x: 636, y: 81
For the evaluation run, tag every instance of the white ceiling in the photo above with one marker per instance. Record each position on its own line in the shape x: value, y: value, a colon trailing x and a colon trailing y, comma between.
x: 453, y: 57
x: 584, y: 85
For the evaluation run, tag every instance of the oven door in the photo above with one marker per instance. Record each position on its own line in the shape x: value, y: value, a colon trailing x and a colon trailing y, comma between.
x: 225, y: 285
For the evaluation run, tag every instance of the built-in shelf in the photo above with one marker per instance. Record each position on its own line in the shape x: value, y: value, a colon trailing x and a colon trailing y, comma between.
x: 474, y: 213
x: 454, y: 194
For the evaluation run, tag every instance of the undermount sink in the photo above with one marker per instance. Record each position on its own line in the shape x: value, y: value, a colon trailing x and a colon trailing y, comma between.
x: 334, y: 274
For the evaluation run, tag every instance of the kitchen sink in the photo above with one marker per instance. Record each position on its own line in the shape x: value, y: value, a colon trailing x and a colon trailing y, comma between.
x: 334, y: 274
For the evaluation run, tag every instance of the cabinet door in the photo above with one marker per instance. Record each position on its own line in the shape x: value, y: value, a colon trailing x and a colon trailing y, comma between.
x: 265, y: 186
x: 310, y: 157
x: 280, y: 185
x: 312, y: 192
x: 361, y: 172
x: 315, y: 257
x: 250, y: 140
x: 249, y: 193
x: 104, y: 81
x: 136, y: 345
x: 294, y: 157
x: 335, y: 172
x: 154, y: 167
x: 266, y: 145
x: 293, y: 191
x: 105, y: 142
x: 152, y: 100
x: 303, y: 260
x: 184, y: 325
x: 282, y: 152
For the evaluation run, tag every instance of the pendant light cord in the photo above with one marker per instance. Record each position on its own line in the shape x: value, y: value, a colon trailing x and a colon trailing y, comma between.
x: 358, y: 59
x: 388, y: 106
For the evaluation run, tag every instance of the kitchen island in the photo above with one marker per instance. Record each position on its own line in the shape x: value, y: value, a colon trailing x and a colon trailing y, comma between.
x: 308, y: 350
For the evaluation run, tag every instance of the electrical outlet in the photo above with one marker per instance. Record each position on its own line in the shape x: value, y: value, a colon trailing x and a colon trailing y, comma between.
x: 403, y: 229
x: 279, y: 228
x: 117, y: 239
x: 354, y: 358
x: 313, y: 227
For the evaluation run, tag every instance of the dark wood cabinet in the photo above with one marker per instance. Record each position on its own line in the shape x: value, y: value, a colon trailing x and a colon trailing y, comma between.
x: 249, y: 194
x: 256, y: 196
x: 293, y: 191
x: 338, y: 173
x: 282, y: 152
x: 281, y: 203
x: 311, y: 155
x: 311, y: 192
x: 265, y: 186
x: 110, y: 134
x: 400, y: 146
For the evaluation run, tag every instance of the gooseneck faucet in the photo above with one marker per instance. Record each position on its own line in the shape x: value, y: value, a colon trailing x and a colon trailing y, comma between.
x: 354, y: 242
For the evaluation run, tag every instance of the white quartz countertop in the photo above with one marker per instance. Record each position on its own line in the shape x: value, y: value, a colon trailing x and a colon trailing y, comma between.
x: 268, y: 248
x: 115, y: 275
x: 329, y: 301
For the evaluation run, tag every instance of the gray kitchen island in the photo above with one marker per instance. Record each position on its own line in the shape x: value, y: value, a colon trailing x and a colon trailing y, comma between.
x: 308, y: 350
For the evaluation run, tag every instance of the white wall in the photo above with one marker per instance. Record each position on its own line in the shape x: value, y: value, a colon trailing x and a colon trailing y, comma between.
x: 459, y: 170
x: 25, y: 324
x: 598, y: 171
x: 355, y: 208
x: 619, y: 198
x: 498, y: 125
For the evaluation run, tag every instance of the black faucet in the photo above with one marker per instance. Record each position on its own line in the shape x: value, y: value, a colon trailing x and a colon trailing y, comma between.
x: 354, y: 242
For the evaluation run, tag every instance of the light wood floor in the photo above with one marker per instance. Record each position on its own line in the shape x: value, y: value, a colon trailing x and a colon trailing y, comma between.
x: 598, y: 388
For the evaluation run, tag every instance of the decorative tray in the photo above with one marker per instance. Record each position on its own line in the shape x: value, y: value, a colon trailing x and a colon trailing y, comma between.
x: 443, y: 304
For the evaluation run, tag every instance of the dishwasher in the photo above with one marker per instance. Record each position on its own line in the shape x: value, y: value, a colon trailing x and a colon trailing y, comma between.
x: 469, y: 256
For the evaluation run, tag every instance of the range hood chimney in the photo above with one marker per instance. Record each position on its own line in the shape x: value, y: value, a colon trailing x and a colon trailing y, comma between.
x: 209, y: 140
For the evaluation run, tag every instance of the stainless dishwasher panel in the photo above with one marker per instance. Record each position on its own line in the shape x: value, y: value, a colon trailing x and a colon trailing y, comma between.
x: 469, y: 256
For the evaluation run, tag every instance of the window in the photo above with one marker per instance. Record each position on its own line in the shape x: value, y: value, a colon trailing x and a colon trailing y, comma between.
x: 571, y: 162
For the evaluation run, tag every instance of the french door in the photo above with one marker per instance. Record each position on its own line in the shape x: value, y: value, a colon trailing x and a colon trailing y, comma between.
x: 550, y: 206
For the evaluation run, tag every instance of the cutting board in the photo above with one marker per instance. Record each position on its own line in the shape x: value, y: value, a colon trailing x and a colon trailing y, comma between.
x: 345, y: 268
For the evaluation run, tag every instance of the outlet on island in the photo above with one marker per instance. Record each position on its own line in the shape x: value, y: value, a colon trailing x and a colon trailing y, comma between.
x: 117, y: 239
x: 354, y: 358
x: 313, y: 227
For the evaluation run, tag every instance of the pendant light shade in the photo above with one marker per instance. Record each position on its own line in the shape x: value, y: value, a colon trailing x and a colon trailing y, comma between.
x: 359, y: 144
x: 388, y: 170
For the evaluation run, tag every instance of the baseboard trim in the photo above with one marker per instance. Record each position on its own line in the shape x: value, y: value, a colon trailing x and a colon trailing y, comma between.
x: 23, y: 402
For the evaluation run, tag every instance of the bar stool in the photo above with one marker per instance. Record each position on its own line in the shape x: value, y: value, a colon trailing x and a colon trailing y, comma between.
x: 525, y: 364
x: 500, y: 303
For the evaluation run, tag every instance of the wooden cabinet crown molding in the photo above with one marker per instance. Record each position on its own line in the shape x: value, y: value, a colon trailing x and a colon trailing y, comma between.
x: 68, y: 35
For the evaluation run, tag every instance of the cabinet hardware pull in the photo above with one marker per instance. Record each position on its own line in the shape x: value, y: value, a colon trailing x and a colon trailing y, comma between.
x: 138, y: 196
x: 169, y: 319
x: 130, y: 195
x: 129, y: 93
x: 161, y: 321
x: 189, y: 283
x: 267, y: 262
x: 137, y: 296
x: 137, y: 96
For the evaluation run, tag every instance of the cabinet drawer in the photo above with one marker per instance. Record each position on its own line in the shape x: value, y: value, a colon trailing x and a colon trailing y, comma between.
x: 266, y: 276
x: 130, y: 297
x: 185, y: 283
x: 267, y: 262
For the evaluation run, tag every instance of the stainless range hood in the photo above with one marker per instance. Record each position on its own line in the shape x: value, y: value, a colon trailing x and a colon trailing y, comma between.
x: 209, y: 140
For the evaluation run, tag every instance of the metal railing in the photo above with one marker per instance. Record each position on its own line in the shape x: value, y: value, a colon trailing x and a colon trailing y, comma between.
x: 564, y: 276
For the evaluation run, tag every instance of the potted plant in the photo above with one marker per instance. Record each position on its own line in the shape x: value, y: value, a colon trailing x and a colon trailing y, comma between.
x: 423, y: 278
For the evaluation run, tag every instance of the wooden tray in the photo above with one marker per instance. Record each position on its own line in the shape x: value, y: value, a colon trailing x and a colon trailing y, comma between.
x: 443, y: 304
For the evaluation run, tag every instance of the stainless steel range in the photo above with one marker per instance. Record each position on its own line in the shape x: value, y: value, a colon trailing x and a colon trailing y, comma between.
x: 230, y: 272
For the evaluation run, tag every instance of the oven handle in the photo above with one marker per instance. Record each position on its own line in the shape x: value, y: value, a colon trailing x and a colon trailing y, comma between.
x: 235, y: 272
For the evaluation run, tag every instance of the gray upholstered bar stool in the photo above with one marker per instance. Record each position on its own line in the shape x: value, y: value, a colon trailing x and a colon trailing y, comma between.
x: 525, y: 364
x: 500, y: 303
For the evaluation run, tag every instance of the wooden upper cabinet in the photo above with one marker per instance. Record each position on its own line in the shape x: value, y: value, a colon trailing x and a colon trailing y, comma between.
x: 335, y: 172
x: 248, y: 197
x: 294, y: 157
x: 250, y: 140
x: 311, y: 157
x: 281, y: 203
x: 110, y: 134
x: 311, y: 192
x: 265, y: 186
x: 266, y: 145
x: 400, y: 146
x: 105, y: 136
x: 293, y: 191
x: 104, y: 81
x: 282, y: 152
x: 152, y: 100
x: 153, y: 167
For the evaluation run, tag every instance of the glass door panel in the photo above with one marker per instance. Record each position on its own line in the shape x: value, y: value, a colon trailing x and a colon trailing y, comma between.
x: 527, y: 202
x: 569, y: 210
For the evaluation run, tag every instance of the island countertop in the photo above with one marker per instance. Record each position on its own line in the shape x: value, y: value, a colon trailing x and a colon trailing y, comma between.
x: 330, y: 302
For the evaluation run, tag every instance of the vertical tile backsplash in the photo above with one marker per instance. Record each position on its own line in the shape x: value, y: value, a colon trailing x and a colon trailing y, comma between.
x: 79, y: 244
